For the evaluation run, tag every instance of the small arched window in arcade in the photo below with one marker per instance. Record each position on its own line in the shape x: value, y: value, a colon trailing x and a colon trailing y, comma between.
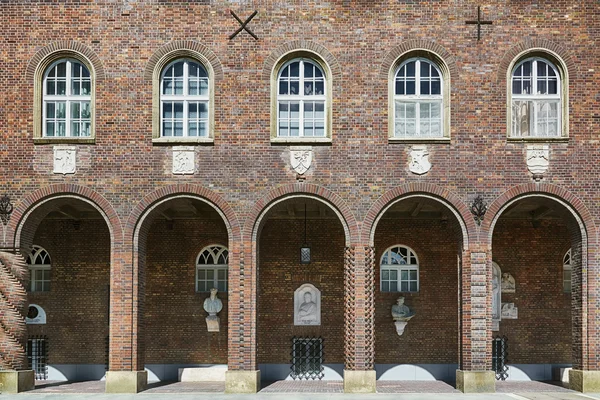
x: 418, y: 101
x: 301, y: 100
x: 399, y: 270
x: 211, y: 269
x: 39, y: 268
x: 184, y: 99
x: 67, y: 100
x: 536, y: 99
x: 567, y: 272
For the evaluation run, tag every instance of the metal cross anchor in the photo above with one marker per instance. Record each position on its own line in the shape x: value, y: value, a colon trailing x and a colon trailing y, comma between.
x: 479, y: 22
x: 243, y: 26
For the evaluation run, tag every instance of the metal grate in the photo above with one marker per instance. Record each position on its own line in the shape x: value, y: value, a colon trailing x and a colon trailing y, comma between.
x: 37, y: 356
x: 307, y: 358
x: 500, y: 357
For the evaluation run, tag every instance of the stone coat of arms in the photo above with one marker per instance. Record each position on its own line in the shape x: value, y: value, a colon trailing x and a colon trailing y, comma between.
x: 419, y: 160
x: 301, y: 160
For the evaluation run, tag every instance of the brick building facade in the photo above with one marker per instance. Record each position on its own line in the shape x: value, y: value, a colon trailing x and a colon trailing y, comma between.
x: 125, y: 207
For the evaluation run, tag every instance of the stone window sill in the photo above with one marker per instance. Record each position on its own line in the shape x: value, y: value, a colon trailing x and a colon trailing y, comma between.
x: 300, y: 140
x: 64, y: 140
x: 538, y: 139
x: 419, y: 140
x: 183, y: 140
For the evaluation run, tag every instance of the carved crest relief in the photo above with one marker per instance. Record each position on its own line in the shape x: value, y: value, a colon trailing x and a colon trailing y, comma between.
x: 183, y: 160
x: 65, y: 161
x: 538, y: 159
x: 300, y: 159
x: 419, y: 160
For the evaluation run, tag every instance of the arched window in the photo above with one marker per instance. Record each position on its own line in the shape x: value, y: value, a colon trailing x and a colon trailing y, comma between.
x: 39, y: 268
x: 418, y: 100
x: 211, y: 269
x: 301, y: 100
x: 67, y: 100
x: 184, y: 99
x: 567, y: 271
x: 536, y: 103
x: 399, y: 269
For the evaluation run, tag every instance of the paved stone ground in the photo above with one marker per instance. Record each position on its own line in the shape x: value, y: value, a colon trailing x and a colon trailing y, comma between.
x: 415, y: 387
x: 185, y: 387
x: 68, y: 387
x: 529, y: 386
x: 303, y: 387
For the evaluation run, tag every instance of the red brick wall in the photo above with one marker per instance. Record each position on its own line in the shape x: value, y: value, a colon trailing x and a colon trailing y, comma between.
x: 431, y: 337
x: 77, y: 304
x: 174, y: 314
x: 534, y: 257
x: 280, y: 274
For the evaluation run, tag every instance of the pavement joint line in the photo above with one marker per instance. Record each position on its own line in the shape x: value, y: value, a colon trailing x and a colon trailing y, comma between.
x: 516, y: 396
x: 585, y: 395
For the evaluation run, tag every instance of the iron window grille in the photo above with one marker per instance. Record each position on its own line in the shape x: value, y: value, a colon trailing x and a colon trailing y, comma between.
x: 307, y: 358
x: 37, y: 356
x: 500, y: 357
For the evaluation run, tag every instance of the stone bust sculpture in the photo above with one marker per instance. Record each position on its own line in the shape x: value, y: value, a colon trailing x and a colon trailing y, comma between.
x: 400, y: 311
x: 212, y: 304
x: 308, y: 309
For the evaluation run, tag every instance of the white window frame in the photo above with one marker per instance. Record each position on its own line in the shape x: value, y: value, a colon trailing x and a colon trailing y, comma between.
x: 537, y: 99
x: 567, y: 269
x: 399, y: 268
x: 185, y: 98
x: 301, y: 98
x: 419, y: 99
x: 216, y: 251
x: 67, y: 98
x: 33, y: 268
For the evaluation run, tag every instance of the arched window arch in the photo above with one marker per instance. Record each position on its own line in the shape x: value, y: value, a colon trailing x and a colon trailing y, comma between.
x: 184, y: 99
x: 67, y: 100
x: 418, y: 99
x: 567, y: 272
x: 301, y: 99
x: 537, y: 98
x: 212, y: 269
x: 39, y: 269
x: 399, y: 270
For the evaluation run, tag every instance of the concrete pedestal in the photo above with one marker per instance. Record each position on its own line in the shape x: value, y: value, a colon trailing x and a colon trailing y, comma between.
x: 16, y: 381
x: 242, y: 381
x: 476, y: 381
x: 584, y: 381
x: 360, y: 381
x: 126, y: 381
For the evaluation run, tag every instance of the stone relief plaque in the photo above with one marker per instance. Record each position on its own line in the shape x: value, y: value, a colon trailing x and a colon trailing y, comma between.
x: 508, y: 283
x: 509, y: 311
x: 419, y: 160
x: 300, y: 158
x: 35, y: 315
x: 307, y: 305
x: 184, y: 162
x: 65, y: 161
x: 538, y: 159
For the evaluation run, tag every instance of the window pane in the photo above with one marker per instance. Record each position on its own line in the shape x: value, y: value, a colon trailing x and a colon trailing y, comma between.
x: 393, y: 286
x: 404, y: 275
x: 385, y: 286
x: 50, y: 129
x: 50, y: 110
x: 413, y: 275
x: 413, y: 286
x: 178, y: 110
x: 385, y: 274
x: 222, y: 286
x: 283, y: 87
x: 178, y: 128
x: 202, y: 286
x: 424, y: 69
x: 61, y: 69
x: 436, y: 87
x: 320, y: 88
x: 210, y: 274
x: 404, y: 286
x: 60, y: 110
x: 410, y: 69
x: 295, y: 69
x: 521, y: 117
x: 167, y: 129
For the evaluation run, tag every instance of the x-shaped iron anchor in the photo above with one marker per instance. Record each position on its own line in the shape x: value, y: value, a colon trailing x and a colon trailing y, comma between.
x: 243, y: 26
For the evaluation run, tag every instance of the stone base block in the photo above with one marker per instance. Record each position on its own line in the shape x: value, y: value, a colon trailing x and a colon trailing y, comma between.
x: 16, y: 381
x: 126, y: 381
x: 242, y: 381
x: 476, y: 381
x: 584, y: 381
x: 360, y: 381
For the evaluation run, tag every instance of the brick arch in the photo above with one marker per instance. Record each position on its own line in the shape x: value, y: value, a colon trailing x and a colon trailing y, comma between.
x: 415, y: 45
x: 299, y: 46
x: 535, y: 45
x: 335, y: 202
x: 429, y: 190
x: 566, y: 198
x: 21, y: 228
x: 62, y: 48
x: 183, y: 48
